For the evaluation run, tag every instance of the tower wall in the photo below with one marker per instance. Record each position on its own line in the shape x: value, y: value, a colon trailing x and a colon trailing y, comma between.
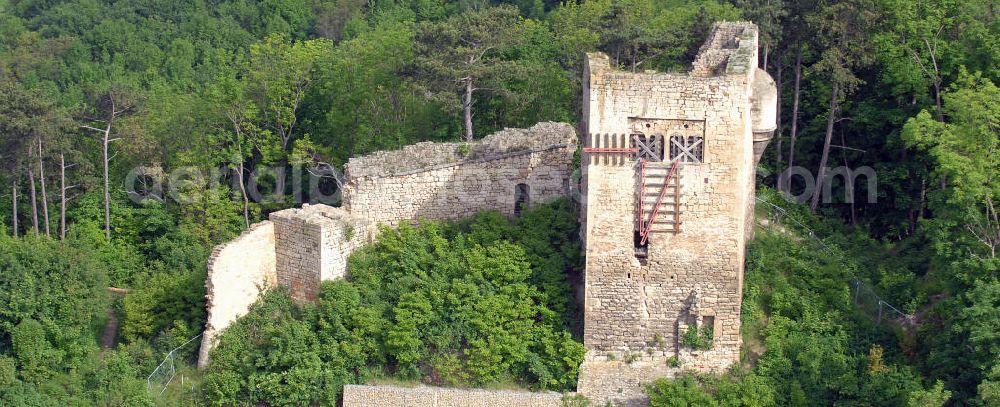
x: 636, y: 308
x: 312, y: 245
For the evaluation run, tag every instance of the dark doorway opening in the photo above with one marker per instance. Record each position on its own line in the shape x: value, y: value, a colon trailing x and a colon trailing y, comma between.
x: 520, y: 198
x: 641, y: 249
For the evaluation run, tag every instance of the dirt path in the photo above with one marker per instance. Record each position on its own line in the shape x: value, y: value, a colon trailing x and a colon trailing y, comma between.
x: 111, y: 327
x: 110, y: 331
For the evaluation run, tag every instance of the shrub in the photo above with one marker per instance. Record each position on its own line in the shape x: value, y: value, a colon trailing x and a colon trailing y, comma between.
x: 698, y: 339
x: 468, y: 303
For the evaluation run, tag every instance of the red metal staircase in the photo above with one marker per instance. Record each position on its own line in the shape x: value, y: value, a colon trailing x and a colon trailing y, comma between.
x: 658, y: 192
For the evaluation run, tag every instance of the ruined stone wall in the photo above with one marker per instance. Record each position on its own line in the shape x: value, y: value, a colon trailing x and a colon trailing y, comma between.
x: 730, y: 49
x: 238, y: 273
x: 313, y: 244
x: 638, y: 310
x: 635, y: 310
x: 426, y: 396
x: 300, y: 247
x: 455, y: 180
x: 602, y: 380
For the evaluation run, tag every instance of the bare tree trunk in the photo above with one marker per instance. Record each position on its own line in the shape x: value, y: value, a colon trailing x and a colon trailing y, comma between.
x: 105, y: 141
x: 467, y: 109
x: 821, y: 177
x: 41, y: 180
x: 243, y: 190
x: 937, y: 100
x: 634, y: 54
x: 917, y: 214
x: 767, y: 49
x: 936, y: 80
x: 236, y: 121
x: 923, y: 198
x: 14, y: 206
x: 34, y: 200
x: 849, y: 180
x: 777, y: 82
x: 107, y: 188
x: 795, y: 106
x: 62, y: 197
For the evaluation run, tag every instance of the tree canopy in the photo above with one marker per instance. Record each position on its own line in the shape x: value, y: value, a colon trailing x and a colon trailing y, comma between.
x: 211, y: 98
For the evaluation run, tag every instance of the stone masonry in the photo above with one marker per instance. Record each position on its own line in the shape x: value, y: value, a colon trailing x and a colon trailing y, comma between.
x: 667, y: 196
x: 454, y: 180
x: 300, y: 247
x: 313, y: 243
x: 427, y: 396
x: 239, y: 271
x: 641, y: 299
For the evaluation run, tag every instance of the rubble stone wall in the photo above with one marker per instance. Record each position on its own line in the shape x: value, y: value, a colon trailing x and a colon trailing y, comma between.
x: 301, y: 247
x: 455, y: 180
x: 313, y: 244
x: 426, y: 396
x: 238, y: 273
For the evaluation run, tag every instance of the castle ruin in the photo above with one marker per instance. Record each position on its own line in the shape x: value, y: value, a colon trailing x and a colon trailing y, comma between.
x: 666, y: 193
x: 668, y: 196
x: 300, y: 247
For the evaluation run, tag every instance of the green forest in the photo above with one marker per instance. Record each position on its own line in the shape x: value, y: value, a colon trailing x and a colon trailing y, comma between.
x: 102, y: 271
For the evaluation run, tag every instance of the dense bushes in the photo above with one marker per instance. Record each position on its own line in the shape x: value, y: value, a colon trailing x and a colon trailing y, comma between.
x: 52, y: 303
x: 473, y: 303
x: 804, y: 341
x: 52, y: 296
x: 711, y: 391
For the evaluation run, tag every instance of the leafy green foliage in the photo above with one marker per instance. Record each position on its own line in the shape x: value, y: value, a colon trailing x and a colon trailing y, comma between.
x: 962, y: 341
x: 237, y: 84
x: 639, y: 34
x: 54, y: 299
x: 693, y: 390
x: 805, y: 342
x: 451, y: 304
x: 55, y: 286
x: 698, y: 339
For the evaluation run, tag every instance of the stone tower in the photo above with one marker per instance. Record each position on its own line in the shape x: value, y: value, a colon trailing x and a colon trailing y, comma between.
x: 668, y: 189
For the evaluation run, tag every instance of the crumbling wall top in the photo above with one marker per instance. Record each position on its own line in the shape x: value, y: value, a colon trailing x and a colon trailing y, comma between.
x: 430, y: 155
x: 731, y: 49
x: 321, y: 215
